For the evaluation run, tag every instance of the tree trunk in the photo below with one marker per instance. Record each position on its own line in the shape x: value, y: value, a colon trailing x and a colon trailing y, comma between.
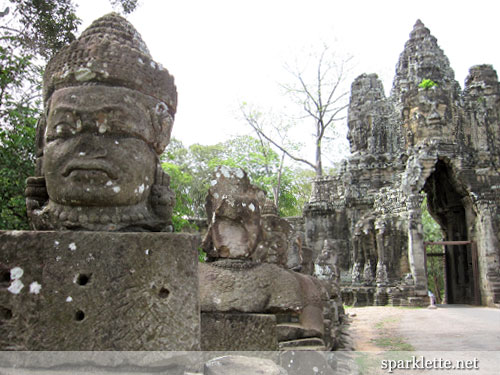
x: 278, y: 186
x: 319, y: 165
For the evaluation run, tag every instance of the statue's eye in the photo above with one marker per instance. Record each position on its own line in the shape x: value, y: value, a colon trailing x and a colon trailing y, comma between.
x: 64, y: 129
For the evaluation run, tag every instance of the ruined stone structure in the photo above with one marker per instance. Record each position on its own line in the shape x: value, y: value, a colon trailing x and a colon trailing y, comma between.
x: 78, y: 284
x: 249, y: 299
x: 427, y: 137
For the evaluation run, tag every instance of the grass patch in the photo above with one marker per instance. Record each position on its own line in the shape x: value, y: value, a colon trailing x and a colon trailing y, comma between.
x: 385, y: 338
x: 393, y: 344
x: 366, y: 363
x: 381, y: 325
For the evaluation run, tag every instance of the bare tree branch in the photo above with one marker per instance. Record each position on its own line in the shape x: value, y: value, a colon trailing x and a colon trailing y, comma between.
x: 255, y: 125
x: 320, y: 97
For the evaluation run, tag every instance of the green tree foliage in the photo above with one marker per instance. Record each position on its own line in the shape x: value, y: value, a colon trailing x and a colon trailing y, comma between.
x: 16, y: 164
x: 127, y: 6
x: 19, y: 108
x: 45, y: 26
x: 191, y: 170
x: 31, y: 31
x: 435, y: 269
x: 265, y: 169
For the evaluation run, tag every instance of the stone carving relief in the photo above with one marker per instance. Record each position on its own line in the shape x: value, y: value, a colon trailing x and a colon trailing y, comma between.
x: 233, y: 208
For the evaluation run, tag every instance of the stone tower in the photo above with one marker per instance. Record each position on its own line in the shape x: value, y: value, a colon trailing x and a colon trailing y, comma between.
x: 428, y: 137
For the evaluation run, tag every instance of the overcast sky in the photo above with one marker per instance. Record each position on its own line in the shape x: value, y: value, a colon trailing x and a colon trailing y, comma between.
x: 223, y: 52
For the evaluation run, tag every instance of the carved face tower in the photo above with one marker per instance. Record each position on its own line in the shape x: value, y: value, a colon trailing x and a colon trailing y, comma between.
x: 109, y: 112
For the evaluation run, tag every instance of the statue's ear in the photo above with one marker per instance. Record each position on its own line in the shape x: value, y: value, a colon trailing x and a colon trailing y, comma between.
x: 162, y: 122
x: 40, y: 142
x: 162, y: 198
x: 36, y: 189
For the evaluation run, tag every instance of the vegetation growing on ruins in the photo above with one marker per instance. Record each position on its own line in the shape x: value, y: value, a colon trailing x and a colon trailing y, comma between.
x: 427, y: 84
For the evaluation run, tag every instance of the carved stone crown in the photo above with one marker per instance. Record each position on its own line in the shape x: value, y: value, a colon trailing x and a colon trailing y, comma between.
x: 269, y: 208
x: 110, y: 52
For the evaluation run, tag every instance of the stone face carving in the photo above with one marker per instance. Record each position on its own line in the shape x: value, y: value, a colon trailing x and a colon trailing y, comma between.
x: 434, y: 139
x: 233, y: 208
x: 275, y: 237
x: 108, y: 115
x: 326, y: 265
x: 109, y: 111
x: 364, y: 134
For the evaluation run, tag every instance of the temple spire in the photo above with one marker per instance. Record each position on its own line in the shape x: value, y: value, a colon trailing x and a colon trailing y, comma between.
x: 421, y: 59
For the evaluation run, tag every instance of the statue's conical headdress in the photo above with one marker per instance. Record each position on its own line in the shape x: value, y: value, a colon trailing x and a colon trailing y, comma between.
x: 111, y: 52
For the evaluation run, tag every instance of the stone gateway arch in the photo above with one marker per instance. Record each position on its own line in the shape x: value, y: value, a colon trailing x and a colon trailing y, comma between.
x: 428, y: 137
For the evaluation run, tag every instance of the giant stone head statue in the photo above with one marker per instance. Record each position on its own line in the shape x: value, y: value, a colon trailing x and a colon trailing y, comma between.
x: 108, y: 114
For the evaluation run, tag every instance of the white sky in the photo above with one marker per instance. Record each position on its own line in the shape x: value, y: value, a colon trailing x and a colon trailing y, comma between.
x: 224, y: 52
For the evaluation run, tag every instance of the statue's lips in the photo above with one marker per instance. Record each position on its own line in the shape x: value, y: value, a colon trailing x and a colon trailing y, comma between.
x: 91, y: 166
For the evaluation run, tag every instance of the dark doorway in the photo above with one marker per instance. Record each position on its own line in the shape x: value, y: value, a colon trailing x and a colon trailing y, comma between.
x: 445, y: 204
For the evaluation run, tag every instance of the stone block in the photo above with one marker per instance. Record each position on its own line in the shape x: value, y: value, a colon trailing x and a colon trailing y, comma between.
x: 293, y: 331
x: 242, y: 365
x: 236, y: 331
x: 98, y: 291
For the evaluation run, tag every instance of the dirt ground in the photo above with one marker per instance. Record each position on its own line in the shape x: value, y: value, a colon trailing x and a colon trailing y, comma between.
x: 370, y: 324
x: 449, y: 327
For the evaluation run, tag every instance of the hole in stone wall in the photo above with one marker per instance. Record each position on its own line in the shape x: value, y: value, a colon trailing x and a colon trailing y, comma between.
x: 4, y: 276
x: 5, y: 313
x: 79, y: 315
x: 83, y: 279
x: 164, y: 292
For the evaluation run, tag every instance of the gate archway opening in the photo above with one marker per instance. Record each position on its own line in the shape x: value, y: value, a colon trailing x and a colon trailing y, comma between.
x: 446, y: 203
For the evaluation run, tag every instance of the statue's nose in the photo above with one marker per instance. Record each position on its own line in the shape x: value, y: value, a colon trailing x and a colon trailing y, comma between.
x: 90, y: 146
x: 434, y: 115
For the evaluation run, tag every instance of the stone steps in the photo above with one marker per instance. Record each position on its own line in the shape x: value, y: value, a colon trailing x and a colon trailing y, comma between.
x: 306, y: 348
x: 495, y: 289
x: 312, y: 343
x: 495, y: 286
x: 293, y: 331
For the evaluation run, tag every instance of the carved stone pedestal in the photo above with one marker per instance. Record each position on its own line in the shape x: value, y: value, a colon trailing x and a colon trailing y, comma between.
x: 238, y: 331
x: 98, y: 291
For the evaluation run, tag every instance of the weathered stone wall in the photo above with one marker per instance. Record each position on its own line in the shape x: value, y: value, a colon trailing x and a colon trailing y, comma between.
x: 432, y: 139
x: 99, y: 291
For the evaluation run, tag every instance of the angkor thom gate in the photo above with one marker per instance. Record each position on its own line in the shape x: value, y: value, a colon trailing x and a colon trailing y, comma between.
x: 428, y: 137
